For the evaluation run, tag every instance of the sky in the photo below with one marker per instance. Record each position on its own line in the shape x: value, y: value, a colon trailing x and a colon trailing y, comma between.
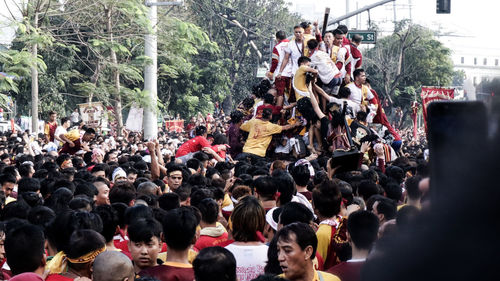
x: 469, y: 26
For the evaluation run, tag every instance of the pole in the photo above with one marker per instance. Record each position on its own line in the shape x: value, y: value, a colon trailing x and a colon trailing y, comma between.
x: 410, y: 4
x: 34, y: 83
x: 395, y: 18
x: 357, y: 16
x: 150, y: 75
x: 325, y: 21
x: 151, y: 70
x: 353, y: 13
x: 347, y: 12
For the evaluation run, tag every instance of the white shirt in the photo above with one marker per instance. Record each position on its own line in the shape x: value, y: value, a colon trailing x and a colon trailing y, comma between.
x: 75, y: 116
x: 326, y: 68
x: 59, y: 130
x: 295, y: 50
x: 256, y: 106
x: 299, y: 198
x: 250, y: 260
x: 357, y: 95
x: 283, y: 148
x: 354, y: 106
x: 343, y: 56
x: 287, y: 71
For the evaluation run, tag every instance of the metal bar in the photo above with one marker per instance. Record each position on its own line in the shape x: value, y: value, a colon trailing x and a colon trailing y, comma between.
x: 353, y: 13
x: 173, y: 3
x: 325, y: 21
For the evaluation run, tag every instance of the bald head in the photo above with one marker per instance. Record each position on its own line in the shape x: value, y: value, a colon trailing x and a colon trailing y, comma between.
x: 113, y: 266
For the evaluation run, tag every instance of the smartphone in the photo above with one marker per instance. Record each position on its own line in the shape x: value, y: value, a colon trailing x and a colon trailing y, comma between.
x: 458, y: 142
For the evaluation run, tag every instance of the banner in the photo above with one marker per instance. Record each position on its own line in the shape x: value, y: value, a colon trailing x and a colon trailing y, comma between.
x: 175, y: 125
x: 430, y: 94
x: 134, y: 119
x: 93, y: 115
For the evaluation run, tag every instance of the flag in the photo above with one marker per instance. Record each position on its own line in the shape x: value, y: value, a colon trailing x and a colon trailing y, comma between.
x: 430, y: 94
x: 174, y: 125
x: 381, y: 118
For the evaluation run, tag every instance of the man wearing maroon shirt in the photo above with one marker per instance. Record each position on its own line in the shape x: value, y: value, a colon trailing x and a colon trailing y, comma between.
x: 283, y: 82
x: 179, y: 230
x: 233, y: 134
x: 362, y: 229
x: 356, y: 55
x: 268, y: 103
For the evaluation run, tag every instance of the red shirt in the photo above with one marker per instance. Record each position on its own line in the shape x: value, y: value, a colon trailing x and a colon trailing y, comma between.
x: 346, y: 41
x: 276, y: 110
x: 221, y: 153
x: 206, y: 241
x: 193, y: 145
x: 57, y: 277
x: 52, y: 130
x: 347, y: 271
x: 71, y: 150
x: 170, y: 271
x: 190, y: 126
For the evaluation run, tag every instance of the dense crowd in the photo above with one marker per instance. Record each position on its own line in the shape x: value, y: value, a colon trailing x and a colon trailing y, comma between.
x: 302, y: 181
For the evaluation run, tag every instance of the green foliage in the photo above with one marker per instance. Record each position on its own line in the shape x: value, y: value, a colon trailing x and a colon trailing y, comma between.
x: 458, y: 78
x: 262, y: 19
x: 201, y: 57
x: 191, y: 71
x: 424, y: 61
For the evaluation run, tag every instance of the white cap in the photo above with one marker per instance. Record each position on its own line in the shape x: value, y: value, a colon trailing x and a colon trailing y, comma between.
x: 270, y: 220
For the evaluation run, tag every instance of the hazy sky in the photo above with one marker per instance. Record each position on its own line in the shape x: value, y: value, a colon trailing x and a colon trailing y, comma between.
x: 473, y: 24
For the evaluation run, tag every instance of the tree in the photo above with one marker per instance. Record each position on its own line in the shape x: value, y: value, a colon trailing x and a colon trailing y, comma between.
x: 94, y: 50
x: 106, y: 37
x: 234, y: 25
x: 192, y: 72
x: 410, y: 58
x: 31, y: 37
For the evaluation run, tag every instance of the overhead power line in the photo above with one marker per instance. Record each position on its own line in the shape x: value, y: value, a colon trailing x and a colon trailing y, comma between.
x: 233, y: 22
x: 244, y: 14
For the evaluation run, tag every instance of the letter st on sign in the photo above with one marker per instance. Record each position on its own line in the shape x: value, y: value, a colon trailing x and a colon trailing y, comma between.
x: 369, y: 36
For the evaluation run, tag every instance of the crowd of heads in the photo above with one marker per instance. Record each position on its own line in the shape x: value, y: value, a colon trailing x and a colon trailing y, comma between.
x: 193, y: 204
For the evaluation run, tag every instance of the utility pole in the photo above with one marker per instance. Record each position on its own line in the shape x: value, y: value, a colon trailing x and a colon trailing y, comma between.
x: 410, y: 4
x: 395, y: 18
x: 347, y: 12
x: 34, y: 82
x: 150, y: 120
x: 357, y: 16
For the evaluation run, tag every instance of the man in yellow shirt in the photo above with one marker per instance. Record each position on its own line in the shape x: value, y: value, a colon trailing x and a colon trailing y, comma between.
x: 299, y: 81
x: 332, y: 230
x: 74, y: 141
x: 296, y: 251
x: 260, y: 133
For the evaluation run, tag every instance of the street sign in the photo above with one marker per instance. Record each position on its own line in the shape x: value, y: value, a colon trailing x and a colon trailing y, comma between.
x: 261, y: 72
x: 369, y: 36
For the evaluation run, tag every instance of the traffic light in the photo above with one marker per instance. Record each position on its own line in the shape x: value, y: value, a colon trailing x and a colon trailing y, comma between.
x: 443, y: 6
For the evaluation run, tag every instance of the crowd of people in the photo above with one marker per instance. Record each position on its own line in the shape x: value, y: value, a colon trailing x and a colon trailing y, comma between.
x: 305, y: 180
